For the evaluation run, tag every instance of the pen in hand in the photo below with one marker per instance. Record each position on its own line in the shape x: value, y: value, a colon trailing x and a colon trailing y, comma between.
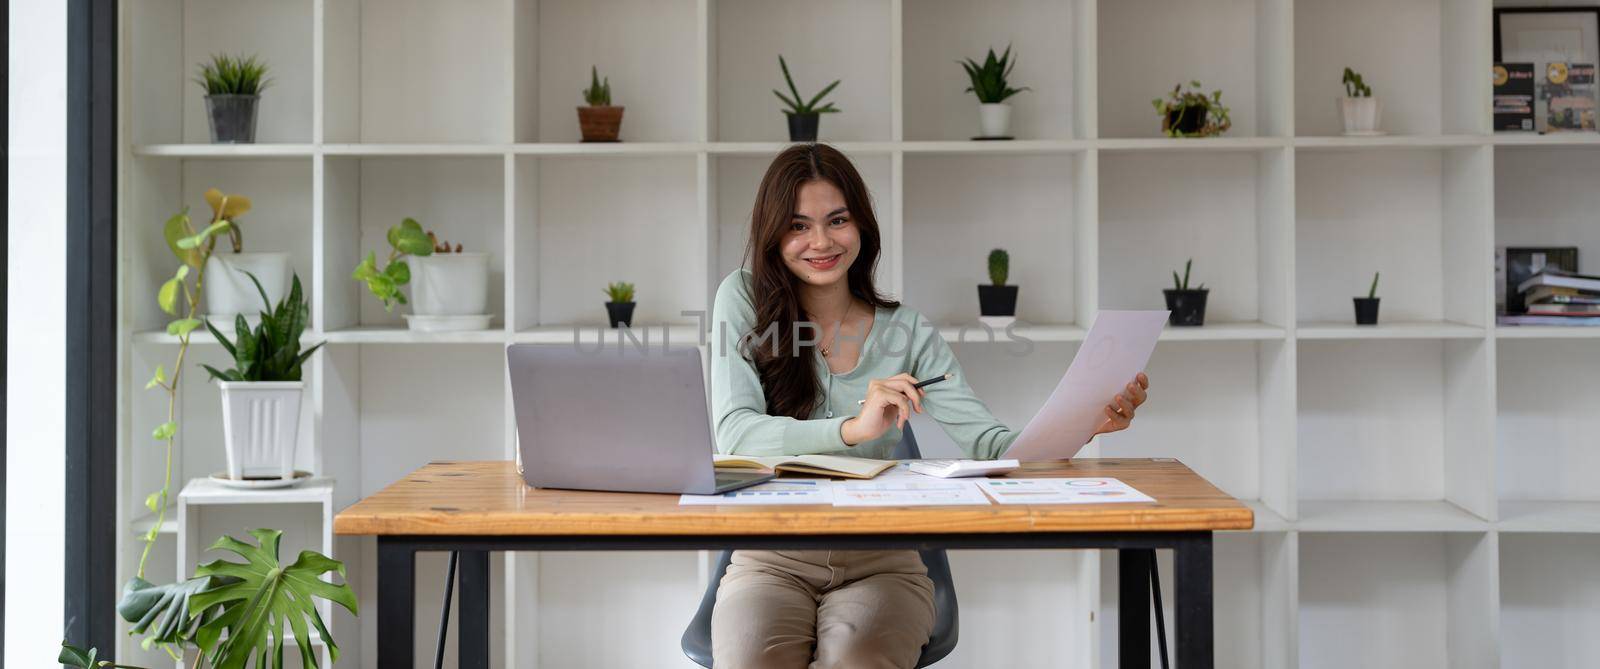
x: 944, y: 377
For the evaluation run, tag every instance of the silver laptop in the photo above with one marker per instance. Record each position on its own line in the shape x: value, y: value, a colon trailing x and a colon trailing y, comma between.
x: 616, y: 420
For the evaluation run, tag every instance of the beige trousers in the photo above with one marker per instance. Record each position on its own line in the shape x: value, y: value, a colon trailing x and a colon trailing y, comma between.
x: 822, y: 609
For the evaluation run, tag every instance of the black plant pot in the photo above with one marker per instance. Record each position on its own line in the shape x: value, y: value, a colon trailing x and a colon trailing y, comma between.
x: 621, y: 313
x: 233, y: 118
x: 803, y: 127
x: 1190, y: 122
x: 997, y: 300
x: 1367, y: 310
x: 1188, y: 307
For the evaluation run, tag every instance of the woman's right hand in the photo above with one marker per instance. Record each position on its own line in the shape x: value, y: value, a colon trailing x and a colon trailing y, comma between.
x: 889, y: 401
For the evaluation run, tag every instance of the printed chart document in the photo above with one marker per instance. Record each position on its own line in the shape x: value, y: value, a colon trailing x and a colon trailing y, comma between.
x: 1116, y: 349
x: 780, y: 491
x: 1061, y: 491
x: 907, y: 491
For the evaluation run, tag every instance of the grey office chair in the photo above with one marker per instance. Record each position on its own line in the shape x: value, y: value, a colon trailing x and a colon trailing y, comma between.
x: 697, y: 638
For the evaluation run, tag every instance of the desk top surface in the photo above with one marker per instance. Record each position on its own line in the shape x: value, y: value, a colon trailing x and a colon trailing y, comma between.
x: 489, y: 498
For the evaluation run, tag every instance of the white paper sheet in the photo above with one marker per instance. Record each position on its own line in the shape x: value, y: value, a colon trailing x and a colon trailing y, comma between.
x: 1061, y: 491
x: 907, y: 491
x: 779, y: 491
x: 1116, y: 349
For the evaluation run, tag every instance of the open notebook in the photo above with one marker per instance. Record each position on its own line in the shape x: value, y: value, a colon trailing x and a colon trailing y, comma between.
x: 822, y: 465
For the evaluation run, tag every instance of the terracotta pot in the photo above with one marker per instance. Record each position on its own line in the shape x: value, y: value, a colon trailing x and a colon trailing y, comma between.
x: 600, y: 124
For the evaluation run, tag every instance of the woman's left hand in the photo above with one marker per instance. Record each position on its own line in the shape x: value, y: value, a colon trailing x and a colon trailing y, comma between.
x: 1119, y: 413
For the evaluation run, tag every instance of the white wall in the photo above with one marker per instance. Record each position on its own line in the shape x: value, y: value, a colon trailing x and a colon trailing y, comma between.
x: 36, y: 331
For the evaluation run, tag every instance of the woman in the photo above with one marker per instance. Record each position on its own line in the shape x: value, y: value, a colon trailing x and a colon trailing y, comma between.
x: 798, y: 338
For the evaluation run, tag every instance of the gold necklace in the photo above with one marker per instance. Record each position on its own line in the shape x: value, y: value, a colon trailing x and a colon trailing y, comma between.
x: 824, y: 349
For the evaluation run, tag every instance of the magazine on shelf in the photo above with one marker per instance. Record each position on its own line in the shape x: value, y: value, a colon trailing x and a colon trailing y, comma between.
x: 1569, y: 97
x: 1513, y: 96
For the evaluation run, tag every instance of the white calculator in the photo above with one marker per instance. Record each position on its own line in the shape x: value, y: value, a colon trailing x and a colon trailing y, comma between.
x: 950, y: 469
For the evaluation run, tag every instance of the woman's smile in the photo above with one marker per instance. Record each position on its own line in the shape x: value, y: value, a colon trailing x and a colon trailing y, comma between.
x: 825, y: 262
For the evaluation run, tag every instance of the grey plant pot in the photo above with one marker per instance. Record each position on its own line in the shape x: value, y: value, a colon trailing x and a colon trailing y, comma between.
x: 232, y: 118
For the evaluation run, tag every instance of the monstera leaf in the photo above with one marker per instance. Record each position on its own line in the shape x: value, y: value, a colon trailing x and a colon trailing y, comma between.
x: 261, y: 597
x: 165, y: 614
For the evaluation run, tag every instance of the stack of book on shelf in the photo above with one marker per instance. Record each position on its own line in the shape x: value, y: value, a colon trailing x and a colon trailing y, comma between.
x: 1558, y: 297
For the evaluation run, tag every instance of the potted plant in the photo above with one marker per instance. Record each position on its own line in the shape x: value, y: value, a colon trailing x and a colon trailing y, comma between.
x: 1367, y: 307
x: 452, y: 286
x: 989, y: 84
x: 1188, y: 305
x: 997, y: 302
x: 803, y: 115
x: 233, y: 87
x: 232, y: 291
x: 233, y: 612
x: 1358, y: 108
x: 1191, y: 113
x: 600, y: 121
x: 619, y: 303
x: 261, y: 392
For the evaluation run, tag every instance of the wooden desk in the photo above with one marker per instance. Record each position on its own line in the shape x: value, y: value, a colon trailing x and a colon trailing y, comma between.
x: 477, y: 507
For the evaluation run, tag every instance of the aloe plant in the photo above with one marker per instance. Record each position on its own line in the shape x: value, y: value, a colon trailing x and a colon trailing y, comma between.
x: 1373, y: 291
x: 999, y: 266
x: 1184, y: 283
x: 271, y: 352
x: 619, y: 292
x: 598, y: 94
x: 233, y: 75
x: 1353, y: 85
x: 797, y: 104
x: 989, y: 78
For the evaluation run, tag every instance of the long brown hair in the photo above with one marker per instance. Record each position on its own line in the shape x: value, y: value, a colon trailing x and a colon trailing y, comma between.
x: 787, y: 376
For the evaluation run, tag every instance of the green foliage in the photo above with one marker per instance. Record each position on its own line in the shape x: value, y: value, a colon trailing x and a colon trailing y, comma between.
x: 1213, y: 115
x: 1353, y: 85
x: 271, y: 352
x: 1184, y: 283
x: 73, y: 656
x: 989, y: 78
x: 795, y: 104
x: 598, y: 94
x: 249, y: 601
x: 1373, y: 291
x: 619, y: 292
x: 404, y: 239
x: 233, y: 75
x: 999, y: 266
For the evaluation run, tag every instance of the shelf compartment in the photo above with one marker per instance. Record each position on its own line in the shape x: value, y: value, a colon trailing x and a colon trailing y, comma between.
x: 1388, y: 330
x: 1430, y: 603
x: 939, y: 33
x: 1549, y: 516
x: 970, y: 204
x: 1424, y: 60
x: 822, y: 41
x: 169, y: 39
x: 417, y: 71
x: 1546, y: 197
x: 460, y: 198
x: 1549, y: 600
x: 1413, y: 216
x: 1546, y: 423
x: 1242, y: 47
x: 647, y: 49
x: 1403, y: 421
x: 1386, y: 516
x: 378, y: 334
x: 584, y: 222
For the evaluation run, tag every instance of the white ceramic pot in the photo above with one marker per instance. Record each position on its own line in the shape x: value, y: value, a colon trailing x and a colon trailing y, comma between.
x: 229, y: 291
x: 260, y: 424
x: 450, y: 284
x: 1360, y: 115
x: 995, y: 119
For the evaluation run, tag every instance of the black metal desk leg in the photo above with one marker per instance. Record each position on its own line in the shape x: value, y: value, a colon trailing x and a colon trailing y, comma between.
x: 473, y: 637
x: 397, y: 600
x: 1192, y: 569
x: 1133, y: 607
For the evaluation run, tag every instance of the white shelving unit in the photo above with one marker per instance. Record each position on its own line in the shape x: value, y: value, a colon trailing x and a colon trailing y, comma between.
x: 1434, y: 472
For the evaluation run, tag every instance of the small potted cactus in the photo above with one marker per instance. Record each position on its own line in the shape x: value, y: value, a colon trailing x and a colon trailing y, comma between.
x: 600, y: 121
x: 1367, y: 307
x: 997, y: 302
x: 990, y: 85
x: 619, y: 303
x: 804, y: 116
x: 1188, y: 305
x: 1358, y: 108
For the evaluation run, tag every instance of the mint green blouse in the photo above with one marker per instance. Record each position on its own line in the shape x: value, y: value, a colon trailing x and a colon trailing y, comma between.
x: 900, y: 340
